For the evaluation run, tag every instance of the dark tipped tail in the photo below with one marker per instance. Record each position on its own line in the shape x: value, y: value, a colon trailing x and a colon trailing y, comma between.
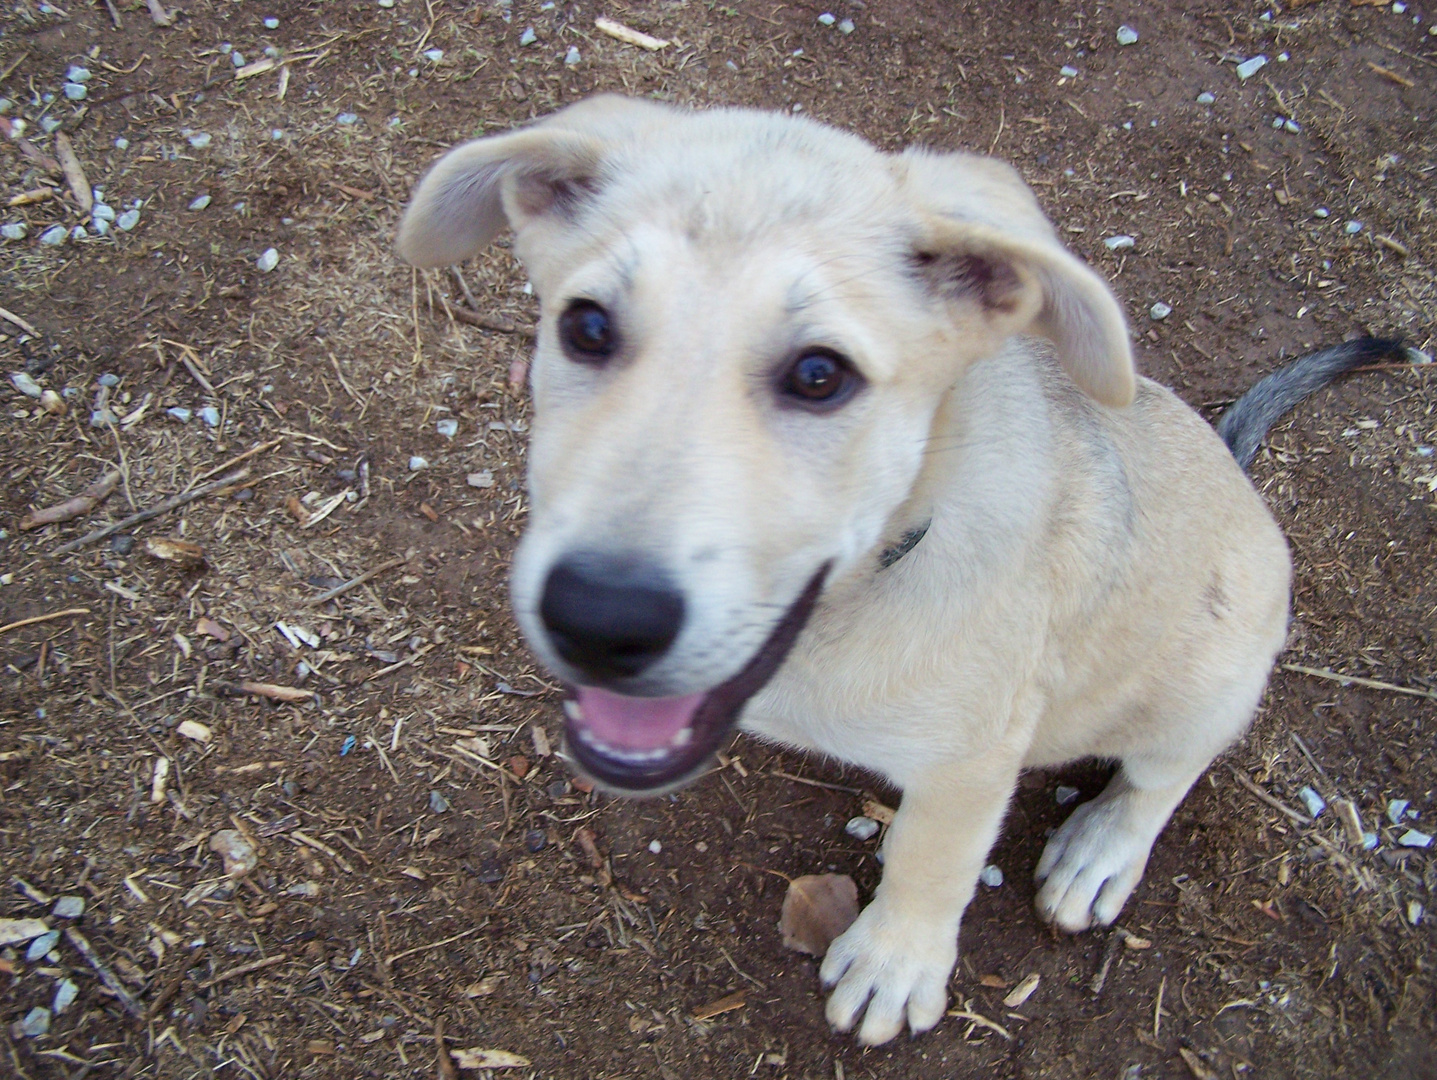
x: 1248, y: 418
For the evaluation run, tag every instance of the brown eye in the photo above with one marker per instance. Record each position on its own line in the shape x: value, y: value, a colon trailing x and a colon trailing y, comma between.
x: 587, y: 332
x: 820, y: 377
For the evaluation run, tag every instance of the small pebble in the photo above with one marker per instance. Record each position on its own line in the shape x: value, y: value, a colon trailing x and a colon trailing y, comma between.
x: 268, y: 261
x: 1411, y: 838
x: 1127, y: 35
x: 26, y: 385
x: 237, y: 59
x: 180, y: 413
x: 65, y: 994
x: 1312, y: 800
x: 1065, y: 795
x: 1068, y: 72
x: 1291, y: 127
x: 826, y: 19
x: 1397, y: 810
x: 846, y: 26
x: 1322, y: 212
x: 528, y: 37
x: 49, y: 124
x: 14, y: 230
x: 1248, y: 68
x: 78, y: 74
x: 101, y: 212
x: 416, y: 463
x: 991, y: 876
x: 122, y: 544
x: 447, y: 428
x: 572, y: 57
x: 1399, y: 7
x: 200, y: 139
x: 122, y: 143
x: 1369, y: 841
x: 271, y: 52
x: 271, y: 23
x: 69, y: 907
x: 347, y: 118
x: 861, y: 828
x: 1119, y: 243
x: 41, y: 945
x: 78, y: 233
x: 76, y: 91
x: 1415, y: 911
x: 54, y: 236
x: 200, y: 203
x: 109, y: 380
x: 1205, y: 98
x: 482, y: 479
x: 434, y: 55
x: 210, y: 415
x: 438, y: 803
x: 1160, y: 311
x: 386, y: 3
x: 36, y: 1022
x: 535, y: 840
x: 1352, y: 228
x: 349, y: 744
x: 491, y: 871
x: 655, y: 847
x: 128, y: 220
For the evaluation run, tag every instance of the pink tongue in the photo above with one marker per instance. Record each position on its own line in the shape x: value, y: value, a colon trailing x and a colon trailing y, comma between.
x: 631, y: 723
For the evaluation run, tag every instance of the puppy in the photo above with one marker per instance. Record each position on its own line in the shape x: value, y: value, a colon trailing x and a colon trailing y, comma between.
x: 845, y: 448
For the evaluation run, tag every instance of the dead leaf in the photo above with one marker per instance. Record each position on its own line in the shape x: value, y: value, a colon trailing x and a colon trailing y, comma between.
x: 483, y: 988
x: 209, y: 628
x: 477, y: 1058
x: 182, y: 553
x: 296, y: 510
x: 816, y: 909
x: 995, y: 982
x: 519, y: 765
x: 428, y: 511
x: 590, y: 846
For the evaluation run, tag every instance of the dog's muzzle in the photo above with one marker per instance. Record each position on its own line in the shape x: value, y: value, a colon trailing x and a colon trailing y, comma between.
x: 642, y: 745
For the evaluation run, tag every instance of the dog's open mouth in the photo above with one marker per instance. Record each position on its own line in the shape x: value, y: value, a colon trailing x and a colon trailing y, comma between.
x: 637, y: 744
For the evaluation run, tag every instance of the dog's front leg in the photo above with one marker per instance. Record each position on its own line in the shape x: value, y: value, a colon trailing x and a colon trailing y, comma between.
x: 893, y: 963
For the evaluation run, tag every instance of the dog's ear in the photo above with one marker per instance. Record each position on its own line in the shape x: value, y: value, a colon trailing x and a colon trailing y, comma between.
x: 475, y: 189
x: 1001, y: 284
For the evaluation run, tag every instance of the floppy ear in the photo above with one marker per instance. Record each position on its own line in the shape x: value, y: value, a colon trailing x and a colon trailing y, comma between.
x: 477, y: 188
x: 1032, y: 285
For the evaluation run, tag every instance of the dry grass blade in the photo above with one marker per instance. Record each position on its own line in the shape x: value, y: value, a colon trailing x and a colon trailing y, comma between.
x: 33, y: 619
x: 1357, y: 680
x: 155, y: 511
x: 981, y: 1021
x: 10, y: 317
x: 728, y: 1003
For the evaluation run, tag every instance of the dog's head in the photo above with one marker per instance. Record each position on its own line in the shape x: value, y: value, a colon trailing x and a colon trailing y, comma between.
x: 749, y: 322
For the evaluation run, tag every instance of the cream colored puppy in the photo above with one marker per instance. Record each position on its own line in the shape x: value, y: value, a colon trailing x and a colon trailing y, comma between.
x: 846, y: 448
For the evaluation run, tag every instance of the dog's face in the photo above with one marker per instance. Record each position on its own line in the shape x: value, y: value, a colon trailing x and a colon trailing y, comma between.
x: 748, y: 325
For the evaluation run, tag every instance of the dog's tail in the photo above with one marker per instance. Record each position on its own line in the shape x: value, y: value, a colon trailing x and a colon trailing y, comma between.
x: 1247, y: 419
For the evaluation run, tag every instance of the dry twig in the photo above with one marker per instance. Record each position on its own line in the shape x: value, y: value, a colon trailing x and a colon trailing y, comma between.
x: 172, y: 503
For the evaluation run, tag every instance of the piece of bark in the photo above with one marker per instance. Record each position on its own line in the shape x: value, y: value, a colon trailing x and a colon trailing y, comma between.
x: 816, y: 909
x: 182, y: 553
x: 78, y: 506
x: 74, y: 172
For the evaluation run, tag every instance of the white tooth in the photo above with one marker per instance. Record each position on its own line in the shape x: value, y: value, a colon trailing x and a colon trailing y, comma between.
x: 572, y: 710
x: 682, y: 737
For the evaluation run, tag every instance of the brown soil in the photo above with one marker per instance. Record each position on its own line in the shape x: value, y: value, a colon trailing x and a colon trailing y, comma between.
x: 1276, y: 949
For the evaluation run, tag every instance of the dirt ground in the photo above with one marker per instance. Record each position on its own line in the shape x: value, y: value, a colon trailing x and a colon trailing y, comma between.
x: 423, y: 869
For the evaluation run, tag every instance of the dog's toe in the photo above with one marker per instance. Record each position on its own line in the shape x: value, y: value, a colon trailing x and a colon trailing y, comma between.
x: 888, y: 970
x: 1091, y: 865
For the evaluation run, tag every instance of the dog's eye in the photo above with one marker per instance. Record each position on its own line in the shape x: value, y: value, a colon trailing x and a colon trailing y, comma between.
x: 821, y: 378
x: 587, y: 332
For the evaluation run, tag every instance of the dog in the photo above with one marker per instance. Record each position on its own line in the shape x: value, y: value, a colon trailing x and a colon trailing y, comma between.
x: 846, y: 449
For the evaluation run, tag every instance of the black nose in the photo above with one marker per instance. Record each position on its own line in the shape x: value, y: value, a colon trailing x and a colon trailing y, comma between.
x: 610, y: 618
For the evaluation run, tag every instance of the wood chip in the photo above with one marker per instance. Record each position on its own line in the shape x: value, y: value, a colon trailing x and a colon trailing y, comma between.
x: 182, y: 553
x: 275, y: 693
x: 1388, y: 73
x: 80, y: 505
x: 994, y: 982
x: 878, y: 812
x: 628, y: 35
x: 1351, y: 821
x: 16, y: 931
x: 479, y: 1058
x: 74, y: 172
x: 816, y: 909
x: 193, y: 729
x: 727, y: 1003
x: 1023, y: 991
x: 160, y: 16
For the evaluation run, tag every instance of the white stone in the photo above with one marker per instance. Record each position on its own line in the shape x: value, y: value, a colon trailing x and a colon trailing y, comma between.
x: 128, y: 220
x: 1160, y: 311
x: 1127, y: 35
x: 14, y: 230
x: 1119, y: 243
x: 1248, y: 68
x: 826, y: 19
x: 267, y: 261
x: 572, y: 57
x: 991, y: 876
x: 528, y: 37
x: 54, y: 236
x: 200, y: 139
x: 846, y: 26
x: 447, y: 428
x: 416, y: 463
x: 200, y: 203
x: 861, y: 828
x: 1205, y: 98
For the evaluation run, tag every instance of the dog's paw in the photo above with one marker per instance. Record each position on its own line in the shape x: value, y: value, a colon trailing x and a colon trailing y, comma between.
x: 889, y: 969
x: 1091, y: 864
